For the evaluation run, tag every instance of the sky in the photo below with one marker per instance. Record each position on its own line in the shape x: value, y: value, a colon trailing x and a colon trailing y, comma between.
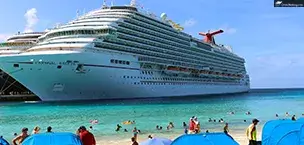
x: 270, y: 39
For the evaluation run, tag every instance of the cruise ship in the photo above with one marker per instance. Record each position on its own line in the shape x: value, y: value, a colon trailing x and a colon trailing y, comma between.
x: 121, y: 52
x: 14, y: 45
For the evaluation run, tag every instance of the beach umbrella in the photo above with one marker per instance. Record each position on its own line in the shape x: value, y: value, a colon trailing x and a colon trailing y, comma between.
x: 3, y: 141
x: 60, y: 138
x: 205, y: 139
x: 157, y: 141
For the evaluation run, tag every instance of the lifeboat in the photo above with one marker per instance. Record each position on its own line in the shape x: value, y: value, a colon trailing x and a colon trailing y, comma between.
x: 204, y: 73
x: 172, y: 70
x: 184, y: 71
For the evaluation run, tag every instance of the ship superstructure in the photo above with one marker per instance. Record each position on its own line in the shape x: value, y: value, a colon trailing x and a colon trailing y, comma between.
x: 21, y: 41
x: 14, y: 45
x: 119, y: 52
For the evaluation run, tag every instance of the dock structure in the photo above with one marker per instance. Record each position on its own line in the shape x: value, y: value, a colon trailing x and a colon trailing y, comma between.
x: 20, y: 97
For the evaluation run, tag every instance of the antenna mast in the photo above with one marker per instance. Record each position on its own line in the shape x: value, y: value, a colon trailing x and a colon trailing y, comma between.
x: 104, y: 4
x: 133, y: 3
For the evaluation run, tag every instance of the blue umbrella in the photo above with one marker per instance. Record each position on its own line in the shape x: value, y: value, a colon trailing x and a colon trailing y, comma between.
x: 58, y: 138
x: 3, y: 141
x: 157, y: 141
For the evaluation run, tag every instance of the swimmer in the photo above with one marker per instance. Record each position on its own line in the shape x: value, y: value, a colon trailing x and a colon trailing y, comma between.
x: 277, y: 115
x: 157, y: 127
x: 248, y: 113
x: 245, y: 120
x: 125, y: 130
x: 91, y: 127
x: 170, y: 126
x: 293, y: 118
x: 210, y: 120
x: 94, y: 121
x: 150, y: 136
x: 118, y: 127
x: 286, y: 114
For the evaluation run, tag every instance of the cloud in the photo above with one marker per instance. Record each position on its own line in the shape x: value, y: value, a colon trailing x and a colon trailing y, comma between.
x: 3, y: 37
x: 190, y: 22
x: 277, y: 70
x: 31, y: 19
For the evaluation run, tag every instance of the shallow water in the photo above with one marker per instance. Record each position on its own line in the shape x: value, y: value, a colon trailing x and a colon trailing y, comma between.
x: 68, y: 116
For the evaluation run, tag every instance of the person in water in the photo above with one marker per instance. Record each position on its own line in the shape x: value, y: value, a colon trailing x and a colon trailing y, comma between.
x: 198, y: 128
x: 118, y: 127
x: 134, y: 142
x: 251, y: 132
x: 192, y: 126
x: 170, y: 126
x: 226, y: 129
x: 49, y: 129
x: 135, y: 133
x: 20, y: 138
x: 36, y: 130
x: 293, y: 118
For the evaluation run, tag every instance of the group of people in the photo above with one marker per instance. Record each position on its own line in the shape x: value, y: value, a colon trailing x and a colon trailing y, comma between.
x: 86, y: 137
x: 24, y: 134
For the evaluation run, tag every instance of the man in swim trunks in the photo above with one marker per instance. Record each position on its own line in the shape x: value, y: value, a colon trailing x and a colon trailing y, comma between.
x: 20, y: 138
x: 251, y: 132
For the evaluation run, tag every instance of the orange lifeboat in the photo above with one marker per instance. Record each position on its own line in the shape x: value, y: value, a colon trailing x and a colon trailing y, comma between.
x: 172, y: 70
x: 184, y: 71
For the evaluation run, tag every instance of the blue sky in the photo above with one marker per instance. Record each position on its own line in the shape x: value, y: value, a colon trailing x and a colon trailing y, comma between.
x: 270, y: 39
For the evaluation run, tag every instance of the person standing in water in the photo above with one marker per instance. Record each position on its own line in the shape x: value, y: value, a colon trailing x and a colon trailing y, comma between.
x: 293, y: 118
x: 226, y: 129
x: 251, y: 132
x: 20, y: 138
x: 36, y: 130
x: 135, y: 133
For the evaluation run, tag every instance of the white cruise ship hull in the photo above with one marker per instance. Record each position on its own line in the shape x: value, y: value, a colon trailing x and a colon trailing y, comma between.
x: 99, y: 78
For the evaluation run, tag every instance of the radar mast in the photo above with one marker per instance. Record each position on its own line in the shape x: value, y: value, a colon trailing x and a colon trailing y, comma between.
x: 133, y: 3
x: 104, y: 4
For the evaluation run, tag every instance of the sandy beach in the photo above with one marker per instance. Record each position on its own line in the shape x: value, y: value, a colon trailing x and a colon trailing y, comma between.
x: 238, y: 135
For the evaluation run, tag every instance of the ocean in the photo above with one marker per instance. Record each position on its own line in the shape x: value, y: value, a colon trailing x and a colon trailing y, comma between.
x: 147, y: 113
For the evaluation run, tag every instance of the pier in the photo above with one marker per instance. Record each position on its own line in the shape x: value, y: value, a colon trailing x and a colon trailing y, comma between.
x: 19, y: 97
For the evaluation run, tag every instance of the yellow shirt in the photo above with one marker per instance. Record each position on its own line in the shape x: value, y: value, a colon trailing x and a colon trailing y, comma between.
x: 251, y: 129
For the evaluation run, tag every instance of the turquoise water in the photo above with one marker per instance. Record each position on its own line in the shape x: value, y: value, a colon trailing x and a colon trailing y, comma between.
x: 263, y: 104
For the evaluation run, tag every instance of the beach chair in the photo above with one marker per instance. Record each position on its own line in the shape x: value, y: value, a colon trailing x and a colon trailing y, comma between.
x: 60, y: 138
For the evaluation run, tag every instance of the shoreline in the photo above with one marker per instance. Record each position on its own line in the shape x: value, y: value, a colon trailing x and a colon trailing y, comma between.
x: 238, y: 135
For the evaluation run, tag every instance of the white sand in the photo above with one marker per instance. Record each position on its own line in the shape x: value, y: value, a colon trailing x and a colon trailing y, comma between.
x: 239, y: 136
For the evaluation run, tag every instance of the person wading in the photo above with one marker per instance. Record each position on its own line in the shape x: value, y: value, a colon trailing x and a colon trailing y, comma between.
x: 251, y: 132
x: 20, y: 138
